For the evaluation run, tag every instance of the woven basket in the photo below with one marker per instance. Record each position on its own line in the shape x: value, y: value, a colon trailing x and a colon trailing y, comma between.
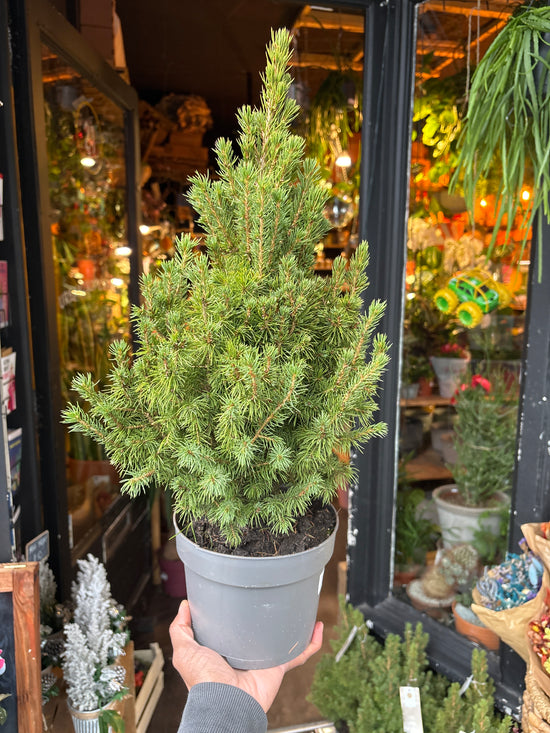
x: 536, y: 707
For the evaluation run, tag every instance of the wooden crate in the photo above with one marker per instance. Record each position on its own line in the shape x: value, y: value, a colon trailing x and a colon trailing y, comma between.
x: 148, y: 696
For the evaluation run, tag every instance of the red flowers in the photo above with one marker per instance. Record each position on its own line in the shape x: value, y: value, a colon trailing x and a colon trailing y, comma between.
x: 454, y: 350
x: 477, y: 380
x: 482, y: 381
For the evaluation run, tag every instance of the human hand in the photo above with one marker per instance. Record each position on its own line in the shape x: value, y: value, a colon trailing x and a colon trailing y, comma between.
x: 197, y: 663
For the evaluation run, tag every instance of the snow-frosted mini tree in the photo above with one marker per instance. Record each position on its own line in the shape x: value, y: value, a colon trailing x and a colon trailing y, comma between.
x: 251, y: 369
x: 93, y: 641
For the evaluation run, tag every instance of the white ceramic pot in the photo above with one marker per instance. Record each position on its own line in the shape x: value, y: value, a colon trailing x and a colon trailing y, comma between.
x: 448, y: 371
x: 460, y: 523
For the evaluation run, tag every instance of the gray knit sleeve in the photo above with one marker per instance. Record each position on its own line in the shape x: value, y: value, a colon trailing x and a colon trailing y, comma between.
x: 213, y: 707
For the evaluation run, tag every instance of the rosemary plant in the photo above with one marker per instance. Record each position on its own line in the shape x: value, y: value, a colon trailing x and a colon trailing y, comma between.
x: 251, y: 369
x: 507, y: 125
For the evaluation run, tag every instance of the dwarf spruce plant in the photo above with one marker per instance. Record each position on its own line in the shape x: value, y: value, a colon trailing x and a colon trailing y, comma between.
x: 251, y: 369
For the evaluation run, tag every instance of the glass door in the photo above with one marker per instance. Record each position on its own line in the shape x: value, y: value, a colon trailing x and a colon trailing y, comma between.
x: 85, y: 138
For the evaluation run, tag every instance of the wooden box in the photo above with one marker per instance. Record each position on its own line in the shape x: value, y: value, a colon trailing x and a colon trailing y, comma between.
x: 153, y: 684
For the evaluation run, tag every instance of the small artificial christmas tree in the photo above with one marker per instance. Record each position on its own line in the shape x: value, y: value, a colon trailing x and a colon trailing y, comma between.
x: 251, y: 369
x: 93, y: 641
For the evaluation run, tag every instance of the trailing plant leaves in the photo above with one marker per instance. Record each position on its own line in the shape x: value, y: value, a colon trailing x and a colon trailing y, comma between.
x: 508, y: 119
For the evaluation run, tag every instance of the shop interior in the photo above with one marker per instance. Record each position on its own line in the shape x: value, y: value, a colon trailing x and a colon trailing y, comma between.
x: 123, y: 113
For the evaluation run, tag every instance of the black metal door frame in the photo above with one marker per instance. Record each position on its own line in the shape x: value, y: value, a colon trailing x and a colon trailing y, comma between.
x: 33, y: 23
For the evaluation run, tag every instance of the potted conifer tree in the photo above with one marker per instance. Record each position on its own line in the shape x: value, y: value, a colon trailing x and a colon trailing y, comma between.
x: 484, y: 440
x: 251, y: 375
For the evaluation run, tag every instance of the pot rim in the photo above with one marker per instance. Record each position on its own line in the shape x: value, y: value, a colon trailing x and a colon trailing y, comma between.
x: 444, y: 488
x: 302, y: 553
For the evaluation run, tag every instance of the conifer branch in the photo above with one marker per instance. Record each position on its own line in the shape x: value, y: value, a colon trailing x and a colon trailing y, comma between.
x: 279, y: 407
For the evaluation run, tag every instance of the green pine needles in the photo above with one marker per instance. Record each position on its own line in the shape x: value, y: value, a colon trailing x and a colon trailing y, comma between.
x: 251, y: 369
x: 359, y: 691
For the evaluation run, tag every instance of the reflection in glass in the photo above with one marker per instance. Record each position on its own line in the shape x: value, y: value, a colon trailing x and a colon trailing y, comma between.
x: 464, y: 308
x: 87, y: 177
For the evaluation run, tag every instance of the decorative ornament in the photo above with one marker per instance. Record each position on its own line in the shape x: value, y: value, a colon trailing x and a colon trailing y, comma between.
x: 472, y: 293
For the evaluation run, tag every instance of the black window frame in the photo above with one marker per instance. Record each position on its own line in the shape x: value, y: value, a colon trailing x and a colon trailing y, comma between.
x: 388, y: 90
x: 34, y: 23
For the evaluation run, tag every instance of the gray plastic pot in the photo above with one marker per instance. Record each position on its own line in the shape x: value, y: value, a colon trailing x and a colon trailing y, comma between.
x: 257, y: 612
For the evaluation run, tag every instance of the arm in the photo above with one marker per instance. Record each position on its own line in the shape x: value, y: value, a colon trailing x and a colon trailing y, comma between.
x: 217, y: 691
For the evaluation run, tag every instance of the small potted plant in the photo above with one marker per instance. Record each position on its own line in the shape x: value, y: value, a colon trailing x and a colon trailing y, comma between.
x: 252, y: 375
x: 415, y: 534
x: 484, y: 441
x: 94, y: 639
x: 449, y: 361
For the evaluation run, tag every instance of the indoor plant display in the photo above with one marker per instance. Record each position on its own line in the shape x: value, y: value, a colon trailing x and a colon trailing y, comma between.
x: 93, y: 640
x: 485, y: 434
x: 251, y: 370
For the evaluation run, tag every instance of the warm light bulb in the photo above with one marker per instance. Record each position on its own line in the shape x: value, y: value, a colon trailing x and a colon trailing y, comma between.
x: 483, y: 203
x: 144, y: 229
x: 87, y: 162
x: 343, y: 160
x: 525, y: 195
x: 123, y: 251
x: 116, y: 282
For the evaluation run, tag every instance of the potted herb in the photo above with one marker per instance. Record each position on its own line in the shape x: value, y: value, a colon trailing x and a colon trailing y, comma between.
x: 94, y: 639
x: 484, y: 442
x: 251, y: 375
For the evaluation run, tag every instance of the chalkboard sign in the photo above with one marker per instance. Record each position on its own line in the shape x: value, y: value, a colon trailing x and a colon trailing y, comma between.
x: 38, y: 548
x: 8, y: 683
x: 20, y: 645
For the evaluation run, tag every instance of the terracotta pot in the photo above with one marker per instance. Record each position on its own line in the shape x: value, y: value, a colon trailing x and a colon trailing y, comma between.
x: 478, y: 634
x: 87, y: 268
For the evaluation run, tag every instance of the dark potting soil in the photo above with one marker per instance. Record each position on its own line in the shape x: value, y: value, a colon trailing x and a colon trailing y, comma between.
x: 310, y: 530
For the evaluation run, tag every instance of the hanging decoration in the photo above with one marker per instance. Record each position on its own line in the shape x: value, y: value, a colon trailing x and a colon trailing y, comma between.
x: 472, y: 293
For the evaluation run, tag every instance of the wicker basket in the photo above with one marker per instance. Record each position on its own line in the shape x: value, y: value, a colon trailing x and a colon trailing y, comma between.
x: 536, y: 707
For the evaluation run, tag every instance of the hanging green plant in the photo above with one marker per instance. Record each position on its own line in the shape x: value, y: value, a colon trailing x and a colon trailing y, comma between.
x: 335, y: 110
x: 508, y: 119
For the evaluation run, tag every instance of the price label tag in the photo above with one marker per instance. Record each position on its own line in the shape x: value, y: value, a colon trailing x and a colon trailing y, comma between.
x: 410, y: 708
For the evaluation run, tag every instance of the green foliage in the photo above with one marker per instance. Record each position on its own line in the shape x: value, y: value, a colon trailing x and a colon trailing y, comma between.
x: 414, y: 535
x: 361, y: 690
x: 251, y: 369
x: 485, y: 438
x: 508, y: 118
x: 333, y: 112
x: 111, y: 720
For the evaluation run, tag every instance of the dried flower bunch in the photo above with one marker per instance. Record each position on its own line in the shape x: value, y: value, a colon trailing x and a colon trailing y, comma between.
x: 93, y: 641
x: 485, y: 438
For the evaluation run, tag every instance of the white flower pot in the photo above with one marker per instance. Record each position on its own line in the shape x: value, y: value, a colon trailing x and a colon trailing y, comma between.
x: 449, y: 373
x: 458, y: 523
